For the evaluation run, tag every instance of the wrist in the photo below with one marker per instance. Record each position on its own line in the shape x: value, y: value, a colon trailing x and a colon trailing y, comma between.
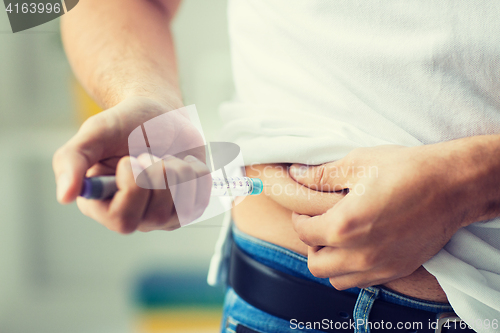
x: 471, y: 171
x: 168, y: 100
x: 154, y: 103
x: 164, y: 92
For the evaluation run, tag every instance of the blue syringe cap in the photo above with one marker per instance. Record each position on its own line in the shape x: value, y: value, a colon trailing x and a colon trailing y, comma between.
x: 257, y: 186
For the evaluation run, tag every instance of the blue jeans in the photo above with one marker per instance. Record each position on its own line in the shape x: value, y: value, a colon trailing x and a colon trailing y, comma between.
x: 238, y: 312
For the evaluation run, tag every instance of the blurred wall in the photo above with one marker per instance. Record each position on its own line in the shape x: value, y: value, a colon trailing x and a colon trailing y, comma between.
x: 60, y: 271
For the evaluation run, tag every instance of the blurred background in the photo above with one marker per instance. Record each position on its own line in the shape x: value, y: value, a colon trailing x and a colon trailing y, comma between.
x: 61, y: 271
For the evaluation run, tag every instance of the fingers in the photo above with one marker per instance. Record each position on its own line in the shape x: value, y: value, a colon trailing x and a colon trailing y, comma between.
x: 153, y: 206
x: 328, y: 262
x: 329, y: 177
x: 181, y: 181
x: 70, y: 166
x: 359, y: 280
x: 186, y: 196
x: 311, y: 230
x: 104, y: 167
x: 190, y: 183
x: 160, y: 209
x: 343, y: 225
x: 129, y: 203
x: 333, y: 228
x: 203, y: 185
x: 346, y: 268
x: 124, y: 212
x: 175, y: 190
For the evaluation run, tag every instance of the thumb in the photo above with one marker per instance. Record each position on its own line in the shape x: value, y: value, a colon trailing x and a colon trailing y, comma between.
x: 325, y: 177
x: 70, y: 166
x: 71, y: 161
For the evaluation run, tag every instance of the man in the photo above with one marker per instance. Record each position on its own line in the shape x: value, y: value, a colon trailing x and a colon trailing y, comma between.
x: 415, y: 85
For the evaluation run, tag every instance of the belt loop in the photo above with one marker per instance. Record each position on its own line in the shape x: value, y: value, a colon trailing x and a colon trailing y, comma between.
x: 364, y: 303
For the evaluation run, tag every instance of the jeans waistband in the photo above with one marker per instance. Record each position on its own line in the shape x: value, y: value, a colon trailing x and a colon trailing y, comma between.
x: 295, y: 264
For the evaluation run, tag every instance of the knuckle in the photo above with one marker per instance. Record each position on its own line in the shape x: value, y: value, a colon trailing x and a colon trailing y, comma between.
x: 184, y: 172
x: 295, y: 224
x: 334, y: 236
x: 388, y: 273
x: 92, y: 123
x: 339, y: 285
x: 363, y: 285
x: 298, y: 225
x: 158, y: 218
x: 341, y: 231
x: 172, y: 227
x: 98, y: 121
x: 304, y: 238
x: 58, y: 155
x: 203, y: 170
x: 122, y: 224
x: 346, y: 229
x: 102, y: 123
x: 198, y: 212
x: 394, y: 271
x: 316, y: 269
x: 184, y: 168
x: 144, y: 228
x: 366, y: 262
x: 204, y: 202
x: 122, y: 227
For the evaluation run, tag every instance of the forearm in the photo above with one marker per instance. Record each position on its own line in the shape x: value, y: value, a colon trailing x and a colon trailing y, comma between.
x: 123, y: 48
x: 472, y: 166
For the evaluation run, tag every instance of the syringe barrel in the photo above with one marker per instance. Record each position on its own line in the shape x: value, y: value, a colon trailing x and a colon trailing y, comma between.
x: 236, y: 186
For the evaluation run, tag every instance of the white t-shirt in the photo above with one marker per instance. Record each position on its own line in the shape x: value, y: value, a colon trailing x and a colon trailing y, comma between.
x: 317, y: 78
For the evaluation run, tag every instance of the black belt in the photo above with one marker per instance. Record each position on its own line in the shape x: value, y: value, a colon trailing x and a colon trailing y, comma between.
x: 291, y: 298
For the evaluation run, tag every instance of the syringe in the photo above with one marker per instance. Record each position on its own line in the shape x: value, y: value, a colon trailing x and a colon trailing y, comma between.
x: 104, y: 187
x: 237, y: 186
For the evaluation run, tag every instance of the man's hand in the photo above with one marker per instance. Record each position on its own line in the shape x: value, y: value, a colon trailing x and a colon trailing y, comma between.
x: 122, y: 52
x: 402, y: 207
x: 101, y: 147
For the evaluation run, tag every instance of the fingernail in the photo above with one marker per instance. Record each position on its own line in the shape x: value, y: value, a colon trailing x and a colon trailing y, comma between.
x: 63, y: 183
x: 298, y: 171
x: 190, y: 158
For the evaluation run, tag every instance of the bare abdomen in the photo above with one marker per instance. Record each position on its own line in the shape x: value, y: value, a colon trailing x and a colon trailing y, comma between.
x: 268, y: 217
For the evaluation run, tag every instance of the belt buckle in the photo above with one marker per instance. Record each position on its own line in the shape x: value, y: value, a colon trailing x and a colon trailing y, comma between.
x: 444, y: 318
